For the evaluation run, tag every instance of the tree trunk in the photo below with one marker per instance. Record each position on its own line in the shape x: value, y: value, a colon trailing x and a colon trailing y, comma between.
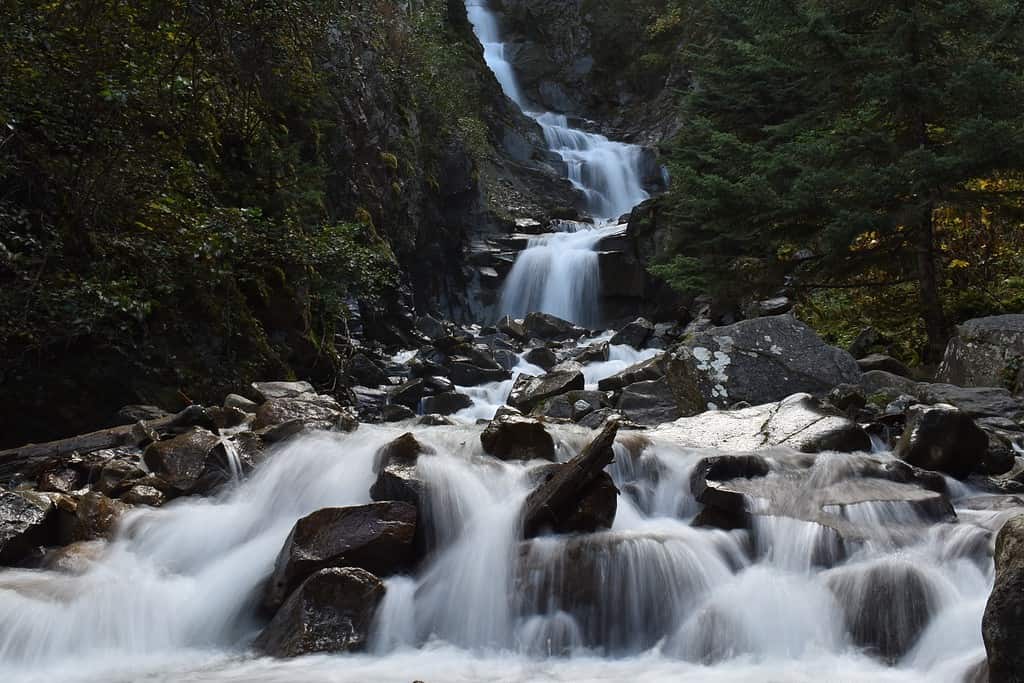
x: 928, y: 280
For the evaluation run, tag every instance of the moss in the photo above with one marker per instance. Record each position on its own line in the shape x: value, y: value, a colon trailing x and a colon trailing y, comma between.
x: 389, y: 160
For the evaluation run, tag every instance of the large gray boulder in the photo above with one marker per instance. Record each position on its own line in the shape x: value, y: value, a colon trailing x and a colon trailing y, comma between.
x: 757, y: 362
x: 986, y: 352
x: 1003, y: 623
x: 331, y: 611
x: 944, y: 439
x: 649, y: 403
x: 644, y: 371
x: 377, y: 537
x: 529, y: 392
x: 799, y: 422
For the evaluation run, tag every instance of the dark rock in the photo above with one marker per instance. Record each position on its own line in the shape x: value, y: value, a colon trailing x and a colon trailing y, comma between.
x: 511, y: 437
x: 60, y: 479
x: 942, y: 439
x: 975, y: 401
x: 879, y: 361
x: 595, y: 353
x: 550, y: 328
x: 116, y: 475
x: 141, y: 494
x: 312, y: 410
x: 395, y: 467
x: 651, y: 369
x: 986, y: 352
x: 26, y: 522
x: 848, y: 399
x: 798, y: 422
x: 542, y: 357
x: 529, y: 392
x: 649, y: 403
x: 573, y: 405
x: 469, y: 375
x: 597, y: 419
x: 431, y: 326
x: 769, y: 307
x: 410, y: 393
x: 446, y: 404
x: 868, y: 340
x: 364, y: 372
x: 435, y: 421
x: 595, y: 509
x: 1001, y: 626
x: 377, y: 537
x: 634, y: 334
x: 394, y: 412
x: 184, y: 462
x: 758, y: 361
x: 558, y: 499
x: 97, y: 516
x: 887, y: 605
x: 513, y: 328
x: 331, y: 611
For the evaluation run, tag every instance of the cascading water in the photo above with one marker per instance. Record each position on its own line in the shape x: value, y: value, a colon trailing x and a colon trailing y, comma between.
x: 559, y: 273
x: 175, y: 595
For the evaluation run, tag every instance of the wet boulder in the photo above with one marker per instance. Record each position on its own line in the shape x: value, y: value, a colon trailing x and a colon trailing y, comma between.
x: 468, y: 374
x: 59, y: 478
x: 542, y: 357
x: 511, y: 437
x: 446, y: 404
x: 574, y: 405
x: 377, y: 537
x: 331, y: 611
x: 307, y: 411
x: 193, y: 462
x: 141, y: 494
x: 634, y: 334
x: 26, y: 522
x: 649, y: 403
x: 943, y: 439
x: 97, y: 516
x: 799, y: 422
x: 550, y: 328
x: 887, y: 605
x: 395, y: 467
x: 645, y: 371
x: 362, y: 370
x: 395, y: 412
x: 977, y: 402
x: 513, y: 327
x: 986, y: 352
x: 594, y: 353
x: 528, y: 392
x: 755, y: 361
x: 593, y: 511
x: 1003, y: 624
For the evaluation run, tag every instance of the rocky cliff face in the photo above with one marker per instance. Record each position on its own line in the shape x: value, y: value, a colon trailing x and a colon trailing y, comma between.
x: 598, y: 60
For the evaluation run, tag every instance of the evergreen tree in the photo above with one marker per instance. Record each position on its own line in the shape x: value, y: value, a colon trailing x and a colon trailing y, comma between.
x: 843, y: 128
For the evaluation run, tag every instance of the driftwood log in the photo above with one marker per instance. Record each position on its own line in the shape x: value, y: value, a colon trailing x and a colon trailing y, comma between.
x: 560, y: 494
x: 137, y: 434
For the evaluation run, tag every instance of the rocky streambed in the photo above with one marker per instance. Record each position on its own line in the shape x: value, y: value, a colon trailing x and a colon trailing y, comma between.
x: 536, y: 500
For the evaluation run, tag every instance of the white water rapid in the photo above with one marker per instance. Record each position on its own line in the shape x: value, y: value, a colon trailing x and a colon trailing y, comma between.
x: 174, y: 597
x: 559, y: 273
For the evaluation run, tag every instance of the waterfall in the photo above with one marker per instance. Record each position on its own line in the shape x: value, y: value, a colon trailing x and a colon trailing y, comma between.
x: 174, y: 596
x: 559, y: 274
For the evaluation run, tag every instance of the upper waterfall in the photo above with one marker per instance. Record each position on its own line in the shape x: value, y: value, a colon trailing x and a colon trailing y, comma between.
x: 608, y: 173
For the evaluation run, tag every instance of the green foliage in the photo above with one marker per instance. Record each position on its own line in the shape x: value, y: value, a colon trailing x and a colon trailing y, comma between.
x: 853, y: 130
x: 188, y: 187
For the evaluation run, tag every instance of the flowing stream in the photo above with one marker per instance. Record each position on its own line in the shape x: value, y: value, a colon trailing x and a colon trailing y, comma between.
x: 174, y: 596
x: 559, y: 273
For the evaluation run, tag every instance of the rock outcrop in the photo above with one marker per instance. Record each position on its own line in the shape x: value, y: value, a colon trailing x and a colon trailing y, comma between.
x: 1004, y: 613
x: 377, y: 537
x: 331, y: 611
x: 755, y: 361
x: 986, y: 352
x: 943, y: 439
